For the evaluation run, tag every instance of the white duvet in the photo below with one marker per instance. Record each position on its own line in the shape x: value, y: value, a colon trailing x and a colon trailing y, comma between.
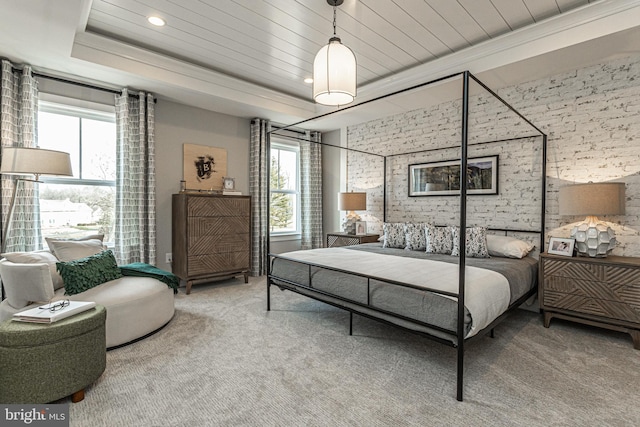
x: 487, y: 292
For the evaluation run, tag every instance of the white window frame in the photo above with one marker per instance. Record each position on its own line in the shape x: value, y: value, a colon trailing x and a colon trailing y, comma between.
x: 294, y: 234
x: 55, y: 104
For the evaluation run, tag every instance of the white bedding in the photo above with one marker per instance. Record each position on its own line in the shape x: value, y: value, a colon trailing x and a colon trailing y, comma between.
x: 487, y: 292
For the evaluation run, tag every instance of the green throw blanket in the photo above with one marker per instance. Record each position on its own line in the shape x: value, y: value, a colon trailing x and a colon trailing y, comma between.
x: 140, y: 269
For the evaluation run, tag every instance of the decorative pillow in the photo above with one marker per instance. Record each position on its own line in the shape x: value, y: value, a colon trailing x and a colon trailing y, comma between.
x: 414, y: 236
x: 37, y: 257
x: 475, y: 241
x: 393, y: 235
x: 68, y: 250
x: 85, y: 273
x: 508, y: 247
x: 26, y: 283
x: 438, y: 240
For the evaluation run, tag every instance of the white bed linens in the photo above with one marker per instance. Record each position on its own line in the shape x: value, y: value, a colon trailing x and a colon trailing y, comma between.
x: 487, y: 293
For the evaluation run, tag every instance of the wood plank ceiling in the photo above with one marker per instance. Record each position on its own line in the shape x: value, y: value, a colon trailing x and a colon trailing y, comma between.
x: 272, y: 43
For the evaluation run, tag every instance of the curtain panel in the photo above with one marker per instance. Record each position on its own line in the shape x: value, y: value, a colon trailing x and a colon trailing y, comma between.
x: 18, y: 128
x: 311, y: 191
x: 259, y: 190
x: 135, y: 228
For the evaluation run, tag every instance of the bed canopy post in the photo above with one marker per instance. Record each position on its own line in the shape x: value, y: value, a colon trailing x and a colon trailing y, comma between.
x: 384, y: 189
x: 267, y: 238
x: 462, y: 234
x: 543, y: 197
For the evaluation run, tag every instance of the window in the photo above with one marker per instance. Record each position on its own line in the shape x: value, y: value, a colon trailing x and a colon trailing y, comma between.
x: 285, y: 189
x: 72, y: 207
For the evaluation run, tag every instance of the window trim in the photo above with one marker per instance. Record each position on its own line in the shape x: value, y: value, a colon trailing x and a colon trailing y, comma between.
x: 297, y: 233
x: 55, y: 105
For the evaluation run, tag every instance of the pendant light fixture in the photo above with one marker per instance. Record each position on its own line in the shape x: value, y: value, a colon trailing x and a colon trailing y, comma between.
x: 334, y: 70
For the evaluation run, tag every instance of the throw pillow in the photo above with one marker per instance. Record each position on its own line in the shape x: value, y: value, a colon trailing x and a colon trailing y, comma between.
x: 34, y: 258
x: 414, y: 236
x: 438, y: 240
x: 85, y: 273
x: 393, y: 235
x: 508, y: 247
x: 68, y: 250
x: 475, y: 241
x: 26, y: 283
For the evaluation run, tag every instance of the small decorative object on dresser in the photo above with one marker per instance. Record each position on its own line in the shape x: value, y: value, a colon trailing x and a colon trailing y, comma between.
x: 361, y: 228
x: 347, y: 239
x: 593, y: 237
x: 228, y: 183
x: 603, y: 292
x: 560, y: 246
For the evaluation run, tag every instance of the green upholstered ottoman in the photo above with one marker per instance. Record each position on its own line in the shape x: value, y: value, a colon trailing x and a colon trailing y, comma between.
x: 43, y: 363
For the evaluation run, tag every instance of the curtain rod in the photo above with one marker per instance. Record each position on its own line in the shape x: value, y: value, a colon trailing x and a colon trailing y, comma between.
x: 81, y: 84
x: 87, y: 85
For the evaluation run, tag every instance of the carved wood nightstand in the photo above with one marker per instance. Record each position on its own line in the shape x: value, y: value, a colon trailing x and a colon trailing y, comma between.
x: 603, y: 292
x: 344, y: 239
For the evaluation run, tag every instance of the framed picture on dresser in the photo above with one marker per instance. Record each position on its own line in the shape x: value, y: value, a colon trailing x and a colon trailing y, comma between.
x: 561, y: 246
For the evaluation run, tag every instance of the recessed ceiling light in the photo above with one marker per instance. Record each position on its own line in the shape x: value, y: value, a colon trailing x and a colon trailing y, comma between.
x: 308, y: 80
x: 156, y: 20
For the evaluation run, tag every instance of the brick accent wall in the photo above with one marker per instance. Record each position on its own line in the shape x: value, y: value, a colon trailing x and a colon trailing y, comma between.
x: 592, y: 118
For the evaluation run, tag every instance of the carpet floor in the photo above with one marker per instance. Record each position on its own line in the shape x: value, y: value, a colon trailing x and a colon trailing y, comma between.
x: 224, y: 360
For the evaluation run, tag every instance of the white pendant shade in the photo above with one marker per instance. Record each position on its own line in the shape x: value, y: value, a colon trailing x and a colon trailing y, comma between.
x: 334, y: 74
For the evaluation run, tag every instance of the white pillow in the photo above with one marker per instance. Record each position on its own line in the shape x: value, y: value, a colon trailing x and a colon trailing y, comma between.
x: 38, y: 257
x: 508, y: 247
x: 26, y: 283
x: 70, y: 250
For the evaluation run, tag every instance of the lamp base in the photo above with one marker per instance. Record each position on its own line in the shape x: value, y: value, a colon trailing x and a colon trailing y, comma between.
x: 349, y: 223
x: 593, y: 238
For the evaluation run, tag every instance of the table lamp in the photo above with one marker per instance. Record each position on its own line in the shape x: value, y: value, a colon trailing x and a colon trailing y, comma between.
x: 593, y: 238
x: 351, y: 202
x: 30, y: 161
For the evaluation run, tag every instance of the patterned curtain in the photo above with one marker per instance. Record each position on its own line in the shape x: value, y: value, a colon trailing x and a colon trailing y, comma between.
x: 259, y: 190
x: 135, y: 231
x: 311, y: 191
x: 18, y: 128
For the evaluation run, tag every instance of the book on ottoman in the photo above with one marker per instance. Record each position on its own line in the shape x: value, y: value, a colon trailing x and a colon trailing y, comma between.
x: 54, y: 311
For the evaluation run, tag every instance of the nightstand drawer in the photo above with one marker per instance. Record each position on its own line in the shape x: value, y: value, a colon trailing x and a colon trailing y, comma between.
x: 624, y: 311
x: 597, y: 290
x: 624, y: 275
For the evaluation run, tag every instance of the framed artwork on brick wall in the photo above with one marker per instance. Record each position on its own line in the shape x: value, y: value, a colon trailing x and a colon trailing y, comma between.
x: 204, y: 167
x: 443, y: 178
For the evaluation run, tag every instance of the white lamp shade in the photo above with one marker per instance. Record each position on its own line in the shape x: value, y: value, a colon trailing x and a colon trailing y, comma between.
x: 352, y: 201
x: 592, y: 199
x: 35, y: 161
x: 334, y: 74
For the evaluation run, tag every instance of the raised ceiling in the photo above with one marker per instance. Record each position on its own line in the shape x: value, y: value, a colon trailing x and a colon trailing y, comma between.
x: 249, y: 57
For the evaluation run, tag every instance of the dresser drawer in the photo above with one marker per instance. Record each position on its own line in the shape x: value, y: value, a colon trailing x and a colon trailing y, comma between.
x: 226, y: 206
x: 203, y: 265
x: 607, y: 309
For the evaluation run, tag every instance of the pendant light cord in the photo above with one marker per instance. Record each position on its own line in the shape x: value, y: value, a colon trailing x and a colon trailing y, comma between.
x: 334, y: 20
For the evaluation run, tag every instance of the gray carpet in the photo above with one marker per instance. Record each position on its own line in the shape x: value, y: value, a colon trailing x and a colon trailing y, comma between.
x: 224, y: 361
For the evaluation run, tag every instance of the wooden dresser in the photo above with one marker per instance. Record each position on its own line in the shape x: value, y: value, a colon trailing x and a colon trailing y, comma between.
x: 602, y: 292
x: 211, y: 237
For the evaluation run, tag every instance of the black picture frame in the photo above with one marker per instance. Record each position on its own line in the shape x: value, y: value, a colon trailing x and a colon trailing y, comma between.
x: 443, y: 178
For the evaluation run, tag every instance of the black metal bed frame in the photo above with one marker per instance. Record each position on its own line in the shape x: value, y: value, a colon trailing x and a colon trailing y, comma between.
x: 459, y: 334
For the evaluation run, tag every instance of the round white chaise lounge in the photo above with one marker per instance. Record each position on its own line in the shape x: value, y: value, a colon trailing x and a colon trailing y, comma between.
x: 136, y: 306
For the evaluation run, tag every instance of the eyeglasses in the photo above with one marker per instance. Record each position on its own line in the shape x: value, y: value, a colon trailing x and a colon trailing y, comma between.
x: 56, y: 306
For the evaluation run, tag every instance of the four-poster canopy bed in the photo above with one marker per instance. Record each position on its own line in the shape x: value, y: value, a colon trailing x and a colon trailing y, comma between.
x: 468, y: 299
